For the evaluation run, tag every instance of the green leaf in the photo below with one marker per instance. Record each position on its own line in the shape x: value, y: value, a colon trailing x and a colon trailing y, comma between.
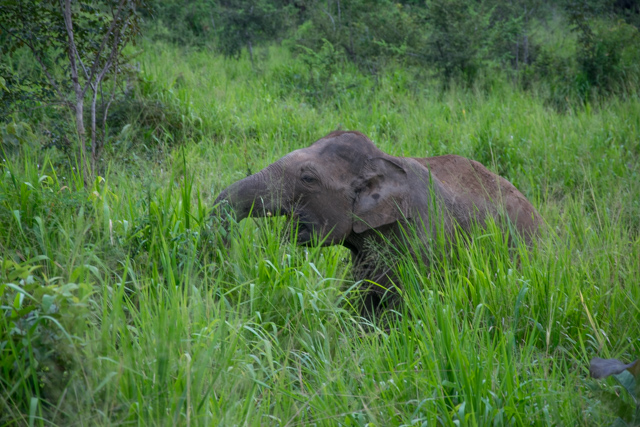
x: 17, y: 301
x: 47, y: 302
x: 628, y: 381
x: 33, y: 407
x: 619, y: 422
x: 16, y: 214
x: 19, y: 289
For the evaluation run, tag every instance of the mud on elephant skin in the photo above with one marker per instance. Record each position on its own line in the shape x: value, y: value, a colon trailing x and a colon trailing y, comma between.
x: 344, y: 190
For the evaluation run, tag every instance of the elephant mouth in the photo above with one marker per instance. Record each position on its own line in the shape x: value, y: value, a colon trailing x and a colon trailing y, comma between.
x: 305, y: 234
x: 299, y: 229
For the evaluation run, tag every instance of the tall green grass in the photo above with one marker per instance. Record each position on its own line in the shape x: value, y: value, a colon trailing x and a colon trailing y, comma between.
x: 123, y: 303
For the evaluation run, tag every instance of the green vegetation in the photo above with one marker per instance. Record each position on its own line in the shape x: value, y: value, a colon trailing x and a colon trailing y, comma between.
x: 83, y: 41
x: 121, y: 303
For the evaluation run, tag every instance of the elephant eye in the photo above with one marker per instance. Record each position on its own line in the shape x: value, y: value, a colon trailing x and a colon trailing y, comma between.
x: 308, y: 179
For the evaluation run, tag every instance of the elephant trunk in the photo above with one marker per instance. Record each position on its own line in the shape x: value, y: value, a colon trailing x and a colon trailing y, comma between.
x: 257, y: 195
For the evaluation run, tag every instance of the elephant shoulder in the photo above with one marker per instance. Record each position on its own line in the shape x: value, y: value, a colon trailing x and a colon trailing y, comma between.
x: 473, y: 185
x: 467, y: 181
x: 454, y: 170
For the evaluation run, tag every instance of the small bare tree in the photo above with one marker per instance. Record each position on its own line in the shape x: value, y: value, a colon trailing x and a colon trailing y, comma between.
x: 83, y: 40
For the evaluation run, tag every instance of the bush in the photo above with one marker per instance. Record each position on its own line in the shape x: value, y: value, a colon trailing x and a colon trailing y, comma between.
x: 609, y: 58
x: 153, y: 117
x: 228, y: 25
x: 605, y: 62
x: 14, y: 135
x: 453, y: 39
x: 366, y: 34
x: 244, y: 23
x: 451, y: 50
x: 38, y: 320
x: 186, y: 23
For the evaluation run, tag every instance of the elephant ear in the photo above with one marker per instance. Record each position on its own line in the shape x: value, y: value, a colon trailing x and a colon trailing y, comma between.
x: 382, y: 194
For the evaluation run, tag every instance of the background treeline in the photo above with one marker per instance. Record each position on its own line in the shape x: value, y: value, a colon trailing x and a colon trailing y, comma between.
x: 570, y: 53
x: 581, y: 50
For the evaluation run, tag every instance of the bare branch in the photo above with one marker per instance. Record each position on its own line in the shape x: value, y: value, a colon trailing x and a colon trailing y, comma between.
x: 86, y: 74
x: 73, y: 50
x: 94, y: 150
x: 105, y: 110
x: 116, y: 49
x: 114, y: 22
x: 330, y: 17
x: 111, y: 98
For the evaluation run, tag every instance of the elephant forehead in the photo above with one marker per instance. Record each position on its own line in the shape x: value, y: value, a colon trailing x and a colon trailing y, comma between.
x: 334, y: 164
x: 310, y: 159
x: 351, y: 152
x: 338, y: 156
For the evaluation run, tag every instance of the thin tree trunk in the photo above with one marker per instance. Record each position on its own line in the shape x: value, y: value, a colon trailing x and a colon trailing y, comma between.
x: 515, y: 75
x: 77, y: 87
x: 94, y: 146
x: 106, y: 109
x: 525, y: 40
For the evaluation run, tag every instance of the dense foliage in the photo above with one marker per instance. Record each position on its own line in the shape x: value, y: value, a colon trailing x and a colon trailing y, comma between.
x: 77, y: 46
x: 582, y: 50
x: 123, y: 301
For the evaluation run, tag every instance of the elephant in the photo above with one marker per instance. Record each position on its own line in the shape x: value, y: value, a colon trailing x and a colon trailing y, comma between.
x: 343, y: 190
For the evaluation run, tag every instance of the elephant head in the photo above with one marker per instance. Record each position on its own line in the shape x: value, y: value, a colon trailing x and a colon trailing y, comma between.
x: 339, y: 186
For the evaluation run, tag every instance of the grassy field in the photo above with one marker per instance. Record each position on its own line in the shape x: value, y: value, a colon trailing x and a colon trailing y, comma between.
x: 121, y: 305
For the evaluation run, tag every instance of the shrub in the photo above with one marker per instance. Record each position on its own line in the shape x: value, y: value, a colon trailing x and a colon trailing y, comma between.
x: 152, y: 117
x: 14, y: 135
x: 186, y: 23
x: 366, y: 34
x: 38, y: 320
x: 609, y: 58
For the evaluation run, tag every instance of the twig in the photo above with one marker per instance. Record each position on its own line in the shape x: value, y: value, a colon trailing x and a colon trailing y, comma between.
x: 330, y: 17
x: 115, y: 20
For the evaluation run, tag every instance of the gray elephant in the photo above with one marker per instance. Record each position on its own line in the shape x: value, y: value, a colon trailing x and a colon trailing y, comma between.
x: 344, y: 190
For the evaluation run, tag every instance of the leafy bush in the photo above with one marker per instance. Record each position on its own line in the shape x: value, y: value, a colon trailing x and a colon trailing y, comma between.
x: 64, y: 36
x: 366, y: 34
x: 152, y: 117
x: 186, y: 23
x: 609, y: 59
x: 452, y: 40
x: 600, y: 59
x: 14, y: 135
x: 38, y: 322
x: 229, y: 26
x: 246, y: 23
x: 21, y: 85
x: 450, y: 48
x: 317, y: 80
